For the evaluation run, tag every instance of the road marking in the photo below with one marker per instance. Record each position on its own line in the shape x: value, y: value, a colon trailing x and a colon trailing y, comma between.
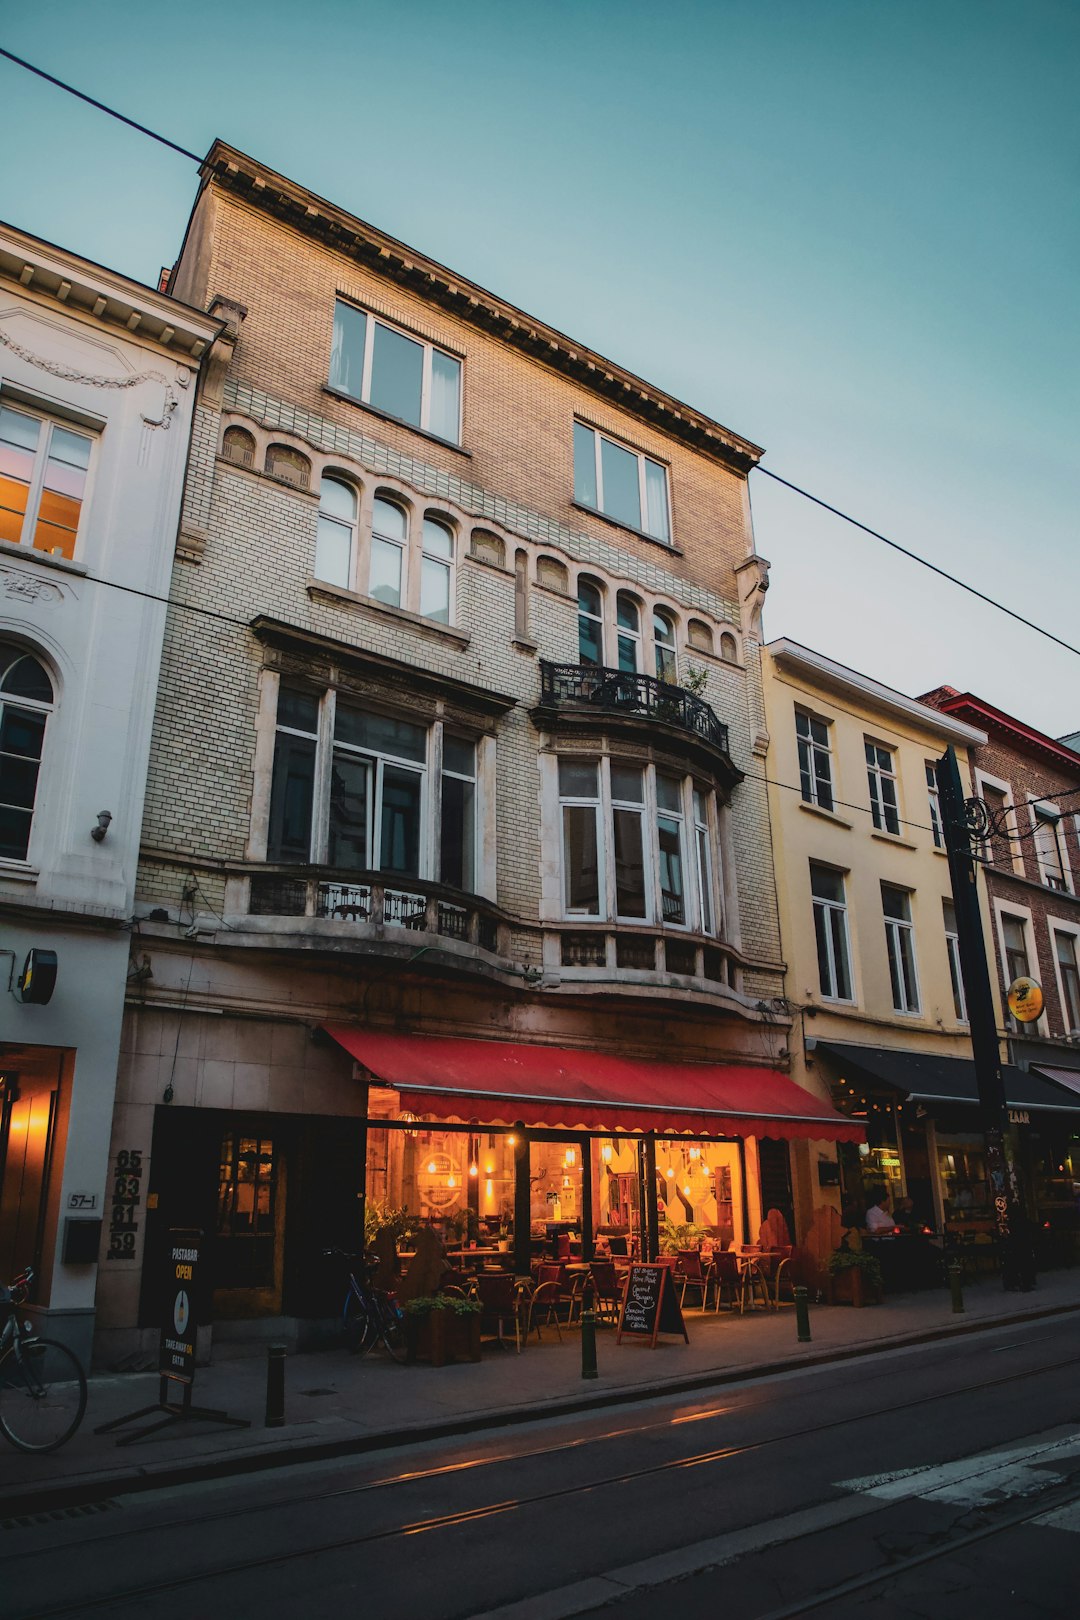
x: 988, y: 1477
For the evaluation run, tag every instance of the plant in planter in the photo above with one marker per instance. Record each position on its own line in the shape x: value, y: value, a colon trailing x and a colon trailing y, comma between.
x: 384, y: 1217
x: 443, y: 1327
x: 854, y: 1278
x: 680, y: 1235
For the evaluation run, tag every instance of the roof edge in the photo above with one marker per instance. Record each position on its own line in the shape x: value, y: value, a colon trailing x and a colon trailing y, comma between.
x: 870, y: 691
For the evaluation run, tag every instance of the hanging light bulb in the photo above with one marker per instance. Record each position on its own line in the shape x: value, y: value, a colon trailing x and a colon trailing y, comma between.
x: 432, y: 1167
x: 605, y: 1152
x: 489, y: 1169
x: 474, y: 1168
x: 705, y: 1170
x: 451, y: 1180
x: 670, y: 1173
x: 686, y: 1191
x: 695, y: 1153
x: 511, y: 1141
x: 571, y: 1157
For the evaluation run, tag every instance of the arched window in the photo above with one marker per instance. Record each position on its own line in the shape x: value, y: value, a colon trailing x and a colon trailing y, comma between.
x: 389, y: 535
x: 335, y: 544
x: 663, y: 629
x: 729, y: 648
x: 698, y: 634
x: 628, y: 620
x: 238, y: 445
x: 435, y: 569
x: 282, y: 461
x: 590, y: 598
x: 26, y: 700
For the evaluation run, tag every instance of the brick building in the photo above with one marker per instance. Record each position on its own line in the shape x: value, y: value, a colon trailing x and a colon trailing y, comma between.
x: 456, y: 833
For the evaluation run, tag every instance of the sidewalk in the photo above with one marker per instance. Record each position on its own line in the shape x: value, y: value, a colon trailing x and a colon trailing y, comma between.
x: 338, y: 1406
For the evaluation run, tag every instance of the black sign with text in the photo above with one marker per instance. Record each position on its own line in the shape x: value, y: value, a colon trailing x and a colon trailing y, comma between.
x: 179, y: 1320
x: 649, y: 1305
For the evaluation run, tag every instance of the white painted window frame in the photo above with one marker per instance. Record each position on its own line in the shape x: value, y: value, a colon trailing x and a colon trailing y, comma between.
x: 1023, y: 915
x: 50, y: 421
x: 814, y: 748
x: 900, y: 932
x: 428, y: 347
x: 952, y: 951
x: 598, y: 435
x: 1070, y: 930
x: 876, y: 774
x: 842, y: 907
x: 1045, y: 814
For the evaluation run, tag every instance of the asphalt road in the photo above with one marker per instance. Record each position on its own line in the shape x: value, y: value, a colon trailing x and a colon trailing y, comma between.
x: 942, y: 1480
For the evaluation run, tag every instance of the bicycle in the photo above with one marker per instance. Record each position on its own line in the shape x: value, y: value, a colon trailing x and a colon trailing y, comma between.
x: 42, y: 1385
x: 369, y: 1315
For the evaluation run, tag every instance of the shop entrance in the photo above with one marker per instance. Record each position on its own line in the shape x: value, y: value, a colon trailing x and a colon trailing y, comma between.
x: 250, y: 1225
x: 28, y: 1102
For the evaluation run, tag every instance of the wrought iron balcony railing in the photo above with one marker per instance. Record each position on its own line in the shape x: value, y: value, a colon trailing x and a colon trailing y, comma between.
x: 618, y: 691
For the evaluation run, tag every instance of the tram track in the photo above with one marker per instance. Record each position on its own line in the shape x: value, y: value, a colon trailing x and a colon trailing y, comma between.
x: 500, y: 1507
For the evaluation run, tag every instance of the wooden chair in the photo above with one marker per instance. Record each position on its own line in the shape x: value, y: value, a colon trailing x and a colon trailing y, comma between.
x: 728, y: 1273
x: 605, y: 1281
x: 498, y: 1296
x: 544, y: 1300
x: 693, y: 1272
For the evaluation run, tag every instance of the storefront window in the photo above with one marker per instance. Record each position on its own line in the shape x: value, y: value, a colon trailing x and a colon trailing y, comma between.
x: 962, y: 1174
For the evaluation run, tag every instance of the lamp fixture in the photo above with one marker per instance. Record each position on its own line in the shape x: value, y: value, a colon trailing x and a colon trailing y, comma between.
x: 98, y: 833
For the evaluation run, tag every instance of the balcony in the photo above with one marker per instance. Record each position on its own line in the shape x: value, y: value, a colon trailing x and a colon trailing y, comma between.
x: 371, y: 903
x: 584, y: 688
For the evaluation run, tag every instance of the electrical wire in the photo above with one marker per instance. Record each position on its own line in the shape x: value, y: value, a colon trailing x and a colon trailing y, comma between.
x: 100, y: 105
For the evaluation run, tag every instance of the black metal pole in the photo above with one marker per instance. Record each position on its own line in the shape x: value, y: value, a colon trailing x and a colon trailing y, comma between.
x: 1017, y: 1268
x: 585, y: 1150
x: 522, y: 1205
x: 365, y: 1091
x: 652, y: 1214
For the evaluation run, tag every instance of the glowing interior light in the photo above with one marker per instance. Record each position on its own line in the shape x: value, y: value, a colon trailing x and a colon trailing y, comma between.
x: 605, y: 1151
x: 451, y: 1181
x: 432, y: 1168
x: 474, y: 1169
x: 686, y: 1190
x: 512, y: 1141
x: 670, y: 1174
x: 571, y: 1156
x: 695, y: 1153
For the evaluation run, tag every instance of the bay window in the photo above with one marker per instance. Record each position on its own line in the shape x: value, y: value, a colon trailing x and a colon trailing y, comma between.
x: 406, y: 377
x: 669, y: 827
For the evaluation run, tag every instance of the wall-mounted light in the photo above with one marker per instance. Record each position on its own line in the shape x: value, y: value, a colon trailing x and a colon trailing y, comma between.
x: 98, y: 833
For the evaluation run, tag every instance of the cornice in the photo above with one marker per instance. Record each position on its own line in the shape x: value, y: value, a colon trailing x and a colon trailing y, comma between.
x: 323, y: 221
x: 1021, y: 736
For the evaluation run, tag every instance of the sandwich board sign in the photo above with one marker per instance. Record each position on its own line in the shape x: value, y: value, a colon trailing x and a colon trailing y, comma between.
x: 649, y: 1306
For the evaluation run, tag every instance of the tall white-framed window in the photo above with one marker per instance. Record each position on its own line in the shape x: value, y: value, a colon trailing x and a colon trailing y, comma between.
x: 335, y: 539
x: 671, y: 834
x: 703, y: 849
x: 44, y: 467
x: 590, y: 622
x: 815, y: 760
x: 457, y: 839
x: 406, y: 377
x: 628, y: 630
x: 831, y: 933
x: 900, y: 944
x: 377, y: 793
x: 436, y: 570
x: 582, y: 841
x: 1017, y: 957
x: 389, y: 539
x: 622, y: 483
x: 881, y: 778
x: 937, y: 830
x: 629, y: 843
x: 663, y: 629
x: 26, y: 702
x: 1068, y: 971
x: 292, y: 789
x: 952, y: 947
x: 1046, y: 824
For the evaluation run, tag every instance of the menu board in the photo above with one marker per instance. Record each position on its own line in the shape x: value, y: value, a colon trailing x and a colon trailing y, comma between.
x: 649, y: 1306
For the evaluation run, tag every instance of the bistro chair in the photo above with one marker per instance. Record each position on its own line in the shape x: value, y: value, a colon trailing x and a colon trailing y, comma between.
x: 755, y: 1278
x: 562, y: 1247
x: 771, y: 1265
x: 606, y: 1288
x: 543, y: 1301
x: 497, y: 1293
x: 728, y: 1273
x: 692, y: 1272
x: 568, y: 1293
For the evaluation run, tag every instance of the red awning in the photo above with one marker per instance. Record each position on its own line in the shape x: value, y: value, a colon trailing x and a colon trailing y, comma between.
x: 503, y: 1083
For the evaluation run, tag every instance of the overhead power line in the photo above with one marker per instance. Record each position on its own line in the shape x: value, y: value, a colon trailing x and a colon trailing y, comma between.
x: 100, y: 105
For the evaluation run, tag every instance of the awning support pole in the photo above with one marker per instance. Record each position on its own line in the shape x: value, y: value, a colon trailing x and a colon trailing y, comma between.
x: 522, y: 1205
x: 652, y: 1214
x: 585, y: 1149
x: 361, y: 1202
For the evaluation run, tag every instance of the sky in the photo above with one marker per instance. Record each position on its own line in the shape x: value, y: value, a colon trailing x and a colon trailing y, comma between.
x: 846, y: 229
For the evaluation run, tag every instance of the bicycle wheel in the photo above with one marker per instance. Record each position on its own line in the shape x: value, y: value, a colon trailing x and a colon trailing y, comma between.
x: 391, y: 1329
x: 360, y: 1331
x: 42, y: 1394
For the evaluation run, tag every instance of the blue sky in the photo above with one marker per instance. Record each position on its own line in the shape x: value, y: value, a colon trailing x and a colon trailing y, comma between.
x: 848, y: 229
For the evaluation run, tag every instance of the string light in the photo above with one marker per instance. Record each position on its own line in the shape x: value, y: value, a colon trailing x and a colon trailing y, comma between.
x: 432, y: 1168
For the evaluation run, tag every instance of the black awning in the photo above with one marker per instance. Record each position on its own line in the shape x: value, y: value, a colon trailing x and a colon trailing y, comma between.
x: 925, y: 1077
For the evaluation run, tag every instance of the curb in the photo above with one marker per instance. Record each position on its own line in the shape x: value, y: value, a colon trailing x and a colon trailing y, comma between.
x: 101, y: 1486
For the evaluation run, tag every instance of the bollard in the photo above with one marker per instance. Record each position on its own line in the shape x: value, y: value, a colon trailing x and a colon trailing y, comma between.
x: 588, y: 1333
x: 802, y: 1314
x: 275, y: 1386
x: 956, y: 1283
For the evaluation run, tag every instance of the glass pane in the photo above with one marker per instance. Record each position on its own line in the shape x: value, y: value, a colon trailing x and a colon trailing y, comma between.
x: 840, y: 954
x: 590, y: 642
x: 438, y: 541
x: 400, y: 851
x: 626, y: 611
x: 626, y: 784
x: 669, y: 793
x: 22, y: 732
x: 384, y: 582
x: 397, y: 374
x: 826, y: 885
x: 435, y: 590
x: 350, y: 811
x: 459, y: 755
x: 458, y: 841
x: 701, y: 808
x: 671, y: 873
x: 629, y: 864
x: 347, y: 352
x: 14, y: 833
x: 619, y: 471
x: 70, y: 449
x: 896, y: 904
x: 949, y: 911
x: 821, y: 935
x: 584, y: 465
x: 19, y: 436
x: 628, y: 654
x: 26, y: 678
x: 907, y: 968
x: 18, y: 431
x: 445, y: 405
x: 582, y: 875
x: 333, y: 551
x: 380, y: 734
x: 894, y: 969
x: 389, y: 520
x: 297, y: 708
x: 891, y: 809
x: 704, y: 882
x: 337, y: 500
x: 656, y: 520
x: 291, y: 798
x: 18, y: 781
x: 577, y: 779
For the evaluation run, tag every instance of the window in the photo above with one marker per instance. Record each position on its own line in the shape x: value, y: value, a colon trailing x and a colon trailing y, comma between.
x: 43, y: 469
x: 628, y: 623
x: 1048, y: 849
x: 663, y: 629
x: 389, y: 537
x: 435, y: 569
x: 282, y: 461
x: 619, y: 482
x: 699, y: 635
x: 831, y: 933
x: 237, y: 445
x: 403, y: 376
x: 729, y: 647
x: 373, y: 779
x: 936, y: 827
x: 900, y: 941
x: 1014, y: 941
x: 952, y: 946
x: 626, y: 852
x: 590, y: 622
x: 996, y: 849
x: 335, y: 540
x: 26, y: 700
x: 1069, y: 973
x: 815, y: 760
x: 882, y: 779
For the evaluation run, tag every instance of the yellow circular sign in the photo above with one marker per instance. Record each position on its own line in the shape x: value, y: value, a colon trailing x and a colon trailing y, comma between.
x: 1025, y: 1000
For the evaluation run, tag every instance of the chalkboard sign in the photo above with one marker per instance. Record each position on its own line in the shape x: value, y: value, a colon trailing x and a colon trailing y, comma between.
x: 649, y: 1306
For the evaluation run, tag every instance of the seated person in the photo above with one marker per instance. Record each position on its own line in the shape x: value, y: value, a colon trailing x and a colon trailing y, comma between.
x: 878, y: 1218
x: 904, y: 1215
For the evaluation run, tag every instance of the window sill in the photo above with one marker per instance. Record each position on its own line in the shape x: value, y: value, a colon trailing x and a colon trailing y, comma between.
x: 19, y: 872
x: 12, y: 548
x: 268, y: 478
x: 942, y: 852
x: 892, y: 838
x: 826, y: 815
x: 340, y: 597
x: 628, y: 528
x: 398, y: 421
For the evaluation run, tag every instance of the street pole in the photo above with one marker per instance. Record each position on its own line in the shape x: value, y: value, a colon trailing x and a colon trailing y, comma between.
x: 1017, y: 1270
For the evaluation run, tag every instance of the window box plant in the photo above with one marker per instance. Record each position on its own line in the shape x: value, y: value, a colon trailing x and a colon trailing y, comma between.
x: 854, y: 1278
x: 441, y: 1328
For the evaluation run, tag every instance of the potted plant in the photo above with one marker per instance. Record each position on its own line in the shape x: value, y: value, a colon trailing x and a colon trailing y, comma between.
x: 384, y: 1217
x: 441, y: 1328
x: 680, y: 1235
x: 854, y: 1278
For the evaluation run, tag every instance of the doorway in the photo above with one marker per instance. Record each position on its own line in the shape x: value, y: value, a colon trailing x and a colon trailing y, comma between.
x: 250, y: 1225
